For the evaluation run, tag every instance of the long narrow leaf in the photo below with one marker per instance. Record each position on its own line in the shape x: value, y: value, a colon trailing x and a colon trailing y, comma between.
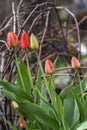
x: 14, y: 89
x: 39, y: 114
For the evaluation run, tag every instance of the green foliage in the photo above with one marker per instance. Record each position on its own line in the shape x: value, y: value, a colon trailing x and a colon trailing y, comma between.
x: 65, y: 111
x: 11, y: 126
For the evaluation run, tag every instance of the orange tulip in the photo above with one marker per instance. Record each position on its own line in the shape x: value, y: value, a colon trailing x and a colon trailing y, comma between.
x: 49, y: 67
x: 25, y: 41
x: 21, y: 123
x: 75, y: 63
x: 12, y: 40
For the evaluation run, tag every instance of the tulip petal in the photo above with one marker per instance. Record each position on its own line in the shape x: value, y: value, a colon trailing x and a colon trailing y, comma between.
x: 49, y: 67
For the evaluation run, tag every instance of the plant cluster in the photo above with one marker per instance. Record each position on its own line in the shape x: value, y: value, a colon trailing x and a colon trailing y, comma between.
x: 39, y: 106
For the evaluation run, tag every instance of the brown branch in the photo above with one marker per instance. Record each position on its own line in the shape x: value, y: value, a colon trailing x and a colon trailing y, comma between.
x: 44, y: 33
x: 77, y: 28
x: 34, y: 23
x: 18, y: 10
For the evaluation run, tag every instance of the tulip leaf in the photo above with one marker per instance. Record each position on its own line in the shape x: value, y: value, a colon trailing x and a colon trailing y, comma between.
x: 8, y: 94
x: 39, y: 113
x: 65, y: 92
x: 23, y: 79
x: 10, y: 125
x: 81, y: 110
x: 15, y: 90
x: 71, y: 110
x: 81, y: 126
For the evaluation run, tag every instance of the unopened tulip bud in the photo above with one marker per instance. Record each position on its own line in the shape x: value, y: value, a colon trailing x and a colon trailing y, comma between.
x: 25, y: 41
x: 49, y: 67
x: 75, y: 63
x: 21, y: 123
x: 14, y: 104
x: 12, y: 40
x: 34, y: 42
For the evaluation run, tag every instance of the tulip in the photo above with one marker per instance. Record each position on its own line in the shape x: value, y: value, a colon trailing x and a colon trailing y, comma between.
x: 25, y: 41
x: 21, y: 123
x: 14, y: 104
x: 12, y: 40
x: 75, y: 63
x: 49, y: 67
x: 34, y: 42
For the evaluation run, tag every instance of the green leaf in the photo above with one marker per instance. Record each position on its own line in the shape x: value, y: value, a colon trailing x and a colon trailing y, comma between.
x: 38, y: 82
x: 84, y: 86
x: 39, y: 114
x: 65, y: 92
x: 10, y: 125
x: 80, y: 107
x: 56, y: 62
x: 59, y: 107
x: 81, y: 126
x: 71, y: 110
x: 8, y: 94
x: 38, y: 86
x: 23, y: 81
x: 15, y: 90
x: 46, y: 105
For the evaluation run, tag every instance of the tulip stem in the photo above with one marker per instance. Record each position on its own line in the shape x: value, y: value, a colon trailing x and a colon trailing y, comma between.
x: 17, y: 64
x: 81, y: 89
x: 29, y: 74
x: 44, y: 76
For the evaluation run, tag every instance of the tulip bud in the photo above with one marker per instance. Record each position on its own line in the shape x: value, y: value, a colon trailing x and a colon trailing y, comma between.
x: 34, y: 42
x: 14, y: 104
x: 21, y: 123
x: 25, y: 41
x: 12, y: 40
x: 49, y: 67
x: 75, y: 63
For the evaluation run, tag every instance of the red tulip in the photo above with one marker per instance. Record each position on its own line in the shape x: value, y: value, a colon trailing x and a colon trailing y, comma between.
x: 49, y: 67
x: 25, y: 41
x: 75, y: 63
x: 21, y: 123
x: 12, y: 40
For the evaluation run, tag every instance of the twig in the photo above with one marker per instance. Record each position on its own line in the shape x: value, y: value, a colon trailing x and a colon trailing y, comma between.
x: 44, y: 33
x: 18, y: 10
x: 14, y: 17
x: 77, y: 28
x: 34, y: 22
x: 28, y: 17
x: 7, y: 25
x: 3, y: 22
x: 5, y: 44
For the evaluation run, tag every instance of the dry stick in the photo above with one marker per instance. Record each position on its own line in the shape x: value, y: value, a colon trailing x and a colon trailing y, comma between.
x: 64, y: 68
x: 18, y: 10
x: 68, y: 20
x: 5, y: 41
x: 77, y: 28
x: 11, y: 56
x: 82, y: 20
x: 34, y: 23
x: 7, y: 25
x: 73, y: 75
x: 44, y: 33
x: 28, y: 17
x: 59, y: 20
x: 14, y: 17
x: 2, y: 24
x: 5, y: 44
